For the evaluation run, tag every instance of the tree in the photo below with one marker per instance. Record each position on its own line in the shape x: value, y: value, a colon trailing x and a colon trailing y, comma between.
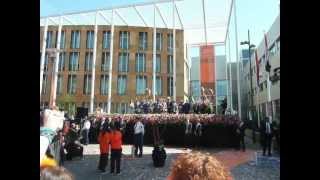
x: 64, y: 101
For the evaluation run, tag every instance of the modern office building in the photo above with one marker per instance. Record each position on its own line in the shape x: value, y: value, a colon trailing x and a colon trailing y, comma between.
x: 132, y: 67
x: 195, y: 83
x: 260, y: 91
x: 221, y: 80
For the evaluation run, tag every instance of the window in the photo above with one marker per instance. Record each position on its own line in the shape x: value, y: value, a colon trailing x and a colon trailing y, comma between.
x: 44, y: 84
x: 87, y: 84
x: 49, y: 43
x: 140, y: 62
x: 72, y: 82
x: 75, y: 39
x: 105, y: 62
x: 158, y: 86
x: 90, y: 39
x: 123, y: 62
x: 170, y: 43
x: 122, y: 84
x: 141, y: 85
x: 170, y: 86
x: 278, y: 45
x: 124, y: 40
x: 59, y: 84
x: 104, y: 82
x: 143, y: 40
x: 88, y: 62
x: 158, y: 63
x: 170, y: 64
x: 159, y: 42
x: 122, y: 108
x: 74, y: 61
x: 46, y: 61
x: 106, y: 40
x: 62, y: 57
x: 272, y: 50
x: 62, y: 39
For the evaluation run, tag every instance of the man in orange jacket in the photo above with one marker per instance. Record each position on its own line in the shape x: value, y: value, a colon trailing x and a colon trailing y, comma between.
x: 116, y: 148
x: 104, y: 141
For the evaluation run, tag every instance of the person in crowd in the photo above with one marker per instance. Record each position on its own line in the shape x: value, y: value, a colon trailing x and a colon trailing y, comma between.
x: 198, y: 166
x: 116, y: 149
x: 186, y: 107
x: 86, y: 129
x: 198, y: 133
x: 241, y: 134
x: 169, y: 105
x: 55, y: 173
x: 188, y: 134
x: 138, y: 137
x: 73, y: 146
x: 62, y: 147
x: 266, y: 131
x: 104, y: 143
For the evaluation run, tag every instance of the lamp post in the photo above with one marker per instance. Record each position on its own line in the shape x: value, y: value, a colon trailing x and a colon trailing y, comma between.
x: 251, y: 108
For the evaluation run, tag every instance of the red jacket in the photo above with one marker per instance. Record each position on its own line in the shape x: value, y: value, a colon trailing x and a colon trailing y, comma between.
x: 104, y: 141
x: 116, y: 140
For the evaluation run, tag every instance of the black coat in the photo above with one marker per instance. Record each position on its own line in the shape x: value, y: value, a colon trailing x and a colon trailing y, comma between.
x: 263, y: 128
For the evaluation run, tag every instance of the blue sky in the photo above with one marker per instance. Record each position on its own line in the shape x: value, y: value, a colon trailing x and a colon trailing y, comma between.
x: 256, y: 15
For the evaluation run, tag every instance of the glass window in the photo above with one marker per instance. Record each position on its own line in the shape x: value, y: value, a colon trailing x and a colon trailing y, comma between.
x: 90, y: 39
x: 170, y: 43
x: 75, y: 39
x: 87, y: 84
x: 122, y: 84
x: 106, y: 39
x: 62, y: 57
x: 104, y: 82
x: 72, y: 82
x: 62, y: 40
x: 105, y: 61
x: 170, y: 86
x: 170, y: 64
x: 141, y: 84
x: 123, y: 65
x: 222, y: 88
x: 158, y: 86
x: 124, y: 40
x: 59, y: 84
x: 88, y: 62
x: 159, y: 41
x: 140, y: 62
x: 46, y: 61
x: 143, y: 40
x: 49, y: 43
x: 158, y: 63
x: 74, y: 61
x: 278, y: 45
x: 272, y: 50
x: 44, y: 84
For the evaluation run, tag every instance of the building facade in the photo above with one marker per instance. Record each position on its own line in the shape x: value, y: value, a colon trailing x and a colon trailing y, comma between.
x: 132, y: 67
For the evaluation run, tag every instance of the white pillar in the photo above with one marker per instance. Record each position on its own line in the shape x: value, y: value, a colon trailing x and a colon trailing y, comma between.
x: 230, y: 75
x: 174, y: 54
x: 154, y: 54
x: 238, y: 61
x: 43, y: 53
x: 93, y: 72
x: 56, y: 67
x: 227, y: 79
x: 110, y: 63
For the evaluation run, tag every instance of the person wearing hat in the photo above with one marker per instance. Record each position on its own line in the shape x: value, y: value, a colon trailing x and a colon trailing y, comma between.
x: 266, y: 131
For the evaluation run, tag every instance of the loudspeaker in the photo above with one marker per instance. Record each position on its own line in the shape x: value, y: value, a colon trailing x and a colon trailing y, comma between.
x: 81, y: 112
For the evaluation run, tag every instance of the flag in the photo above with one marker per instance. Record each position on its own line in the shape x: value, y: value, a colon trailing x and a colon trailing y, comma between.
x: 267, y: 66
x: 257, y: 66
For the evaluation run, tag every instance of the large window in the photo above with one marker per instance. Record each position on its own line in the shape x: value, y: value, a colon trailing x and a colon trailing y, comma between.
x: 62, y: 57
x: 123, y: 65
x: 158, y: 63
x: 46, y: 61
x: 140, y: 62
x: 59, y: 84
x: 49, y: 43
x: 88, y: 62
x: 170, y: 86
x: 170, y: 43
x: 62, y: 39
x: 158, y: 86
x: 87, y: 84
x: 170, y: 64
x: 124, y: 39
x: 143, y: 40
x: 72, y: 84
x: 90, y: 39
x: 74, y: 61
x: 141, y: 84
x: 122, y: 85
x: 159, y: 42
x: 105, y: 61
x: 104, y: 82
x: 106, y: 39
x: 44, y: 84
x: 75, y: 40
x: 272, y: 50
x: 278, y: 44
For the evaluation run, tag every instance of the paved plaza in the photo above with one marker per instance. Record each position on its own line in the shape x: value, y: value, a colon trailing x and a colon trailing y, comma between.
x: 247, y: 165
